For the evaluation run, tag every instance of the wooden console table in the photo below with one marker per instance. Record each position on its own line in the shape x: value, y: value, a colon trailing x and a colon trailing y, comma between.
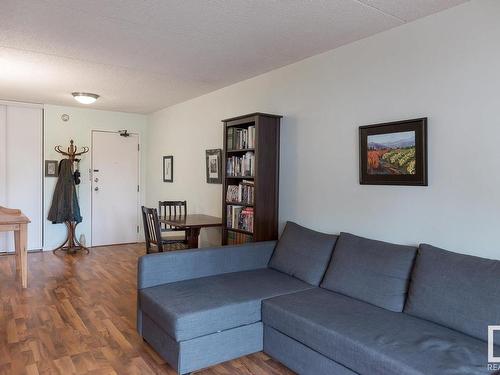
x: 14, y: 220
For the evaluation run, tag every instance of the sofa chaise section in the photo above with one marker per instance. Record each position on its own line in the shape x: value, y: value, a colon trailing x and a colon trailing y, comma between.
x: 193, y: 308
x: 202, y: 307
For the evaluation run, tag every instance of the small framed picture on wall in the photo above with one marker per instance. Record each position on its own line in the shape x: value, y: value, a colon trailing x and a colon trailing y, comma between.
x: 214, y: 166
x: 51, y: 168
x: 168, y: 168
x: 394, y: 153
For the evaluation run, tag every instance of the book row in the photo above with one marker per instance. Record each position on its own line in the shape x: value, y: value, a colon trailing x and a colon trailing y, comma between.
x: 241, y: 193
x: 241, y: 165
x: 239, y: 217
x: 240, y: 138
x: 235, y: 238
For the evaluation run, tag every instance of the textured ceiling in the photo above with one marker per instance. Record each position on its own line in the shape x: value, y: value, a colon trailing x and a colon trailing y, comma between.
x: 143, y: 55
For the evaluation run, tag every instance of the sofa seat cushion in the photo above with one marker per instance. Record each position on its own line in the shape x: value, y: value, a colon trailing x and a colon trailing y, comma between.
x: 372, y: 271
x: 303, y: 253
x: 197, y: 307
x: 371, y: 340
x: 458, y: 291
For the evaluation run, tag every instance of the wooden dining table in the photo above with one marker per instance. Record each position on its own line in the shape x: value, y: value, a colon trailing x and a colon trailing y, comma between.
x: 15, y: 221
x: 192, y: 224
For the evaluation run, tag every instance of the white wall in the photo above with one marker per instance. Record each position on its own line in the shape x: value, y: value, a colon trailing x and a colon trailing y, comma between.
x: 185, y: 135
x: 82, y: 122
x: 445, y: 67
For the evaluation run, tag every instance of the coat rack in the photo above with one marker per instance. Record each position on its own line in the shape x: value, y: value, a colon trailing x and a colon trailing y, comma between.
x: 72, y: 151
x: 71, y: 244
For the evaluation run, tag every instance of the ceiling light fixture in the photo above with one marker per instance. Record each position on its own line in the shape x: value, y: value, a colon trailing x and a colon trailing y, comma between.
x: 85, y: 97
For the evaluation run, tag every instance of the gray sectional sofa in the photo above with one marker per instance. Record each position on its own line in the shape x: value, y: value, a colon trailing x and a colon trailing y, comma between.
x: 322, y: 304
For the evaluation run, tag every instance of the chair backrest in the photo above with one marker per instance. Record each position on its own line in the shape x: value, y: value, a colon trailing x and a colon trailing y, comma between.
x: 152, y: 232
x: 172, y: 209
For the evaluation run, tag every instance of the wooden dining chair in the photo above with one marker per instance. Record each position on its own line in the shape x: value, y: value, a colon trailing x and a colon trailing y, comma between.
x: 152, y: 232
x: 173, y: 209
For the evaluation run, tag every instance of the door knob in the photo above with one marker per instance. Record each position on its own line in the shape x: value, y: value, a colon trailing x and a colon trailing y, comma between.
x: 96, y: 188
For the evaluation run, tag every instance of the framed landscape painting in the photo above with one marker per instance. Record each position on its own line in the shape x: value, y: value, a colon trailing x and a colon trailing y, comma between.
x: 394, y: 153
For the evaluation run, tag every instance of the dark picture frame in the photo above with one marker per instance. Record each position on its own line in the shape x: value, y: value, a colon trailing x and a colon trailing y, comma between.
x: 51, y: 168
x: 404, y: 144
x: 213, y: 161
x: 168, y: 168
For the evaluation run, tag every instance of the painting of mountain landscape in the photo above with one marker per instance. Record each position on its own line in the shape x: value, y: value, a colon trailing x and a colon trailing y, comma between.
x: 391, y: 153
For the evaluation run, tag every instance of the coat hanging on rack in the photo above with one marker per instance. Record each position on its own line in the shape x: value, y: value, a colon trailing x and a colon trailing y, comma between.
x: 65, y: 205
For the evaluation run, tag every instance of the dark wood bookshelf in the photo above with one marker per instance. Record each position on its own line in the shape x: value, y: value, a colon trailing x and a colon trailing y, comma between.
x: 266, y: 151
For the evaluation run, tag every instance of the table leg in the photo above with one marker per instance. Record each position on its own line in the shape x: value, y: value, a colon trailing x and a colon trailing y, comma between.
x: 193, y: 234
x: 17, y: 239
x: 21, y: 239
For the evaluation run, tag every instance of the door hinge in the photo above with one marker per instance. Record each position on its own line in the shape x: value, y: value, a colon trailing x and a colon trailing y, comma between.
x: 138, y: 147
x: 137, y: 188
x: 137, y: 229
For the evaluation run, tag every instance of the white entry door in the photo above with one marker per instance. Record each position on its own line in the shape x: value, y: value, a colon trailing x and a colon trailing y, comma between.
x: 115, y: 188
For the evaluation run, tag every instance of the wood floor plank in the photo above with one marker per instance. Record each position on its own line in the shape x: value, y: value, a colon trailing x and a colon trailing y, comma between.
x: 32, y: 369
x: 78, y: 317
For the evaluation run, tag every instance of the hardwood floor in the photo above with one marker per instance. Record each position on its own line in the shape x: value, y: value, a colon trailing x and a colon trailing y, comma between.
x: 78, y: 317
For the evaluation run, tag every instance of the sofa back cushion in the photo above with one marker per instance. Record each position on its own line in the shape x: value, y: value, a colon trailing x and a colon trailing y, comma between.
x: 303, y: 253
x: 455, y: 290
x: 372, y: 271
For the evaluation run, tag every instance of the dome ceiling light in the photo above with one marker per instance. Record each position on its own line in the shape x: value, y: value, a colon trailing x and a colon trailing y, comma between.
x: 85, y: 97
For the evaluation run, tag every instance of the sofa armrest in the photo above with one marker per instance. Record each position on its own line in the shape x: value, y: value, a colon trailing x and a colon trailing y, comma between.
x: 164, y: 268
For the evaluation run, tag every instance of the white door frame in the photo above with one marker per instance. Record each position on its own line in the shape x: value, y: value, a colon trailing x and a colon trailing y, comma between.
x: 91, y: 177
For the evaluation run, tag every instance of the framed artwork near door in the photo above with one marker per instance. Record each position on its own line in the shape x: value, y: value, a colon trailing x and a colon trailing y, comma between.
x: 168, y: 168
x: 51, y: 168
x: 394, y: 153
x: 214, y: 166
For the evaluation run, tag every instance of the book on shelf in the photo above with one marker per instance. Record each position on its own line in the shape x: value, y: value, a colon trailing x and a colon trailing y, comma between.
x: 240, y: 138
x: 241, y: 193
x: 239, y: 217
x: 235, y: 238
x: 241, y: 166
